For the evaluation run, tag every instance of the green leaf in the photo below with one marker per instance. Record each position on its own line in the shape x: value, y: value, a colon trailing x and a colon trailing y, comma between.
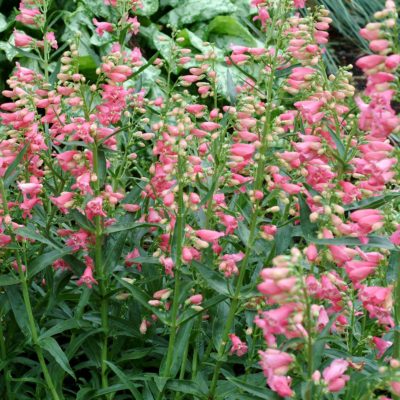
x: 43, y: 261
x: 9, y: 50
x: 213, y: 279
x: 3, y: 23
x: 148, y: 7
x: 182, y: 340
x: 231, y: 27
x: 373, y: 241
x: 142, y: 298
x: 128, y: 227
x: 372, y: 202
x: 60, y: 327
x: 307, y: 226
x: 18, y: 308
x: 260, y: 393
x: 339, y: 144
x: 81, y: 220
x: 230, y: 85
x: 9, y: 175
x: 191, y: 313
x: 49, y: 344
x: 8, y: 280
x: 125, y: 380
x: 393, y: 267
x: 29, y: 233
x: 186, y: 387
x: 190, y: 11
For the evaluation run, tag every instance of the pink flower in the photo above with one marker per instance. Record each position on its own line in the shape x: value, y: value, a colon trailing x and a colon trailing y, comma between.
x: 395, y: 387
x: 395, y: 237
x: 64, y: 201
x: 134, y: 25
x: 94, y: 208
x: 87, y: 278
x: 238, y: 347
x: 21, y: 39
x: 195, y: 299
x: 102, y: 27
x: 275, y: 361
x: 381, y: 345
x: 208, y: 235
x: 299, y: 3
x: 168, y: 264
x: 280, y: 385
x: 334, y: 375
x: 228, y: 263
x: 130, y: 259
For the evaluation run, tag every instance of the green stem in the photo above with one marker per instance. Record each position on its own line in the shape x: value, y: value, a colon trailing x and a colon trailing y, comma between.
x: 178, y: 262
x: 27, y: 303
x: 3, y: 353
x: 100, y: 272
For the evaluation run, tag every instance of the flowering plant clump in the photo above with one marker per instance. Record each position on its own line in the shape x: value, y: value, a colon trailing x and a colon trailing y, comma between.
x: 234, y: 234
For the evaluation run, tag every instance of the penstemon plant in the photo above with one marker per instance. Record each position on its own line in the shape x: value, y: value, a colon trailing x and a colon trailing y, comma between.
x: 235, y: 235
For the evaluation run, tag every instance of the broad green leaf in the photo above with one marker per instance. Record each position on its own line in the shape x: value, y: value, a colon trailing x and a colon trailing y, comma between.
x: 372, y: 202
x: 30, y: 233
x: 125, y: 380
x: 393, y: 267
x: 213, y: 279
x: 339, y: 144
x: 81, y: 220
x: 182, y: 340
x: 3, y: 23
x: 128, y: 227
x: 225, y: 25
x: 8, y: 49
x: 231, y: 88
x: 49, y: 344
x: 373, y: 241
x: 186, y: 387
x: 148, y: 7
x: 7, y: 280
x: 190, y: 11
x: 191, y: 313
x: 307, y: 226
x: 219, y: 323
x: 60, y: 327
x: 17, y: 305
x: 10, y: 172
x: 142, y: 298
x: 260, y: 393
x: 44, y: 260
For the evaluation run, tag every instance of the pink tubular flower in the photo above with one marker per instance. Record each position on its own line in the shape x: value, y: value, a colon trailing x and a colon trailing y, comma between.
x: 299, y: 3
x: 381, y: 345
x: 102, y: 27
x: 228, y: 264
x: 21, y: 39
x: 196, y: 299
x: 238, y: 347
x: 130, y: 259
x: 208, y: 235
x: 395, y: 237
x: 94, y: 208
x: 87, y: 278
x: 280, y: 385
x: 334, y: 375
x: 64, y: 201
